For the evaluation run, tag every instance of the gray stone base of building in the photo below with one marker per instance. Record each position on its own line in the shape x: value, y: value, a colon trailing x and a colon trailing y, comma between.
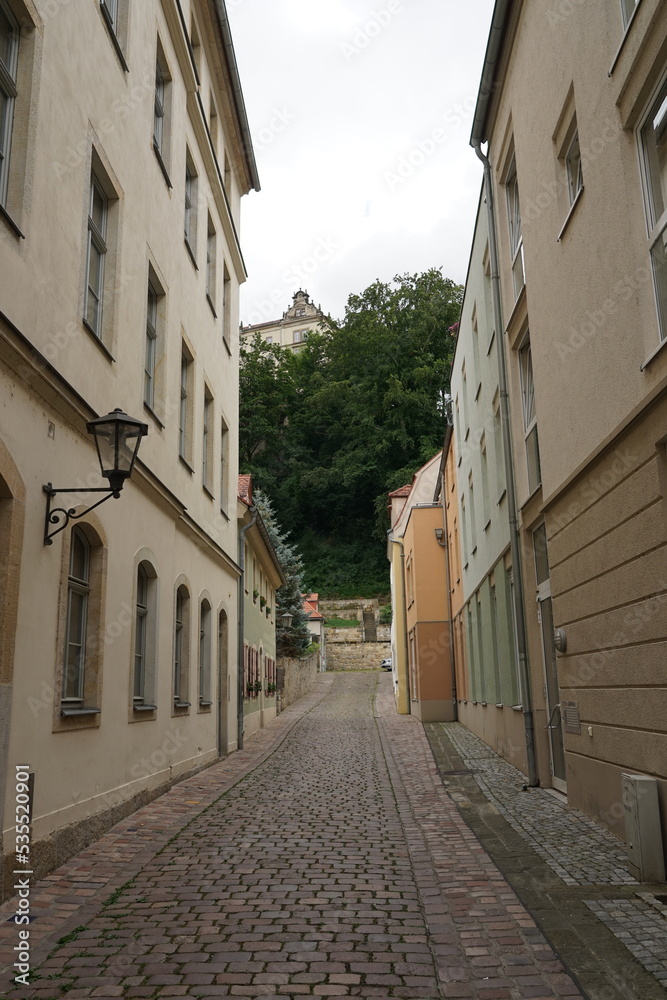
x: 58, y: 847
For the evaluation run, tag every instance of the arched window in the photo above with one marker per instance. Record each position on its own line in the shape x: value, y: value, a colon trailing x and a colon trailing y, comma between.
x: 145, y: 639
x: 182, y: 648
x: 78, y: 593
x: 205, y: 654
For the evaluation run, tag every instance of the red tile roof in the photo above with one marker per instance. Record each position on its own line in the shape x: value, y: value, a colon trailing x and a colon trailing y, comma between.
x: 310, y: 607
x: 404, y: 491
x: 245, y: 490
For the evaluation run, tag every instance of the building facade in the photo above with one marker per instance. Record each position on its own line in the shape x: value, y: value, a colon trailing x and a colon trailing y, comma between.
x: 492, y: 696
x: 262, y: 576
x: 121, y: 175
x: 291, y: 330
x: 572, y: 106
x: 422, y: 638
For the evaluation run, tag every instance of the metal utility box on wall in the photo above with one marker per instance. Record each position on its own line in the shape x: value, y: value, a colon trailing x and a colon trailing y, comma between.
x: 646, y: 857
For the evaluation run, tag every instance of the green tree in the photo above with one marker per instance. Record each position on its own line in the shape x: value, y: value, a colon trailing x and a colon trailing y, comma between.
x: 295, y: 639
x: 352, y: 416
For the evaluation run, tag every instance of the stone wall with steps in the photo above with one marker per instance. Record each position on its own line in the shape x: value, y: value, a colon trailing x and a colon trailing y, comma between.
x: 356, y: 655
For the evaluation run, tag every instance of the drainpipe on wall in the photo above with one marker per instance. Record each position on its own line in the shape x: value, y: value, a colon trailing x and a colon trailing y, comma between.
x: 399, y: 541
x: 448, y: 576
x: 515, y: 547
x: 239, y: 686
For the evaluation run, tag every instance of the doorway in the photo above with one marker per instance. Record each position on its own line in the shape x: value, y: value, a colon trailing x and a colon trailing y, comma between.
x: 546, y: 620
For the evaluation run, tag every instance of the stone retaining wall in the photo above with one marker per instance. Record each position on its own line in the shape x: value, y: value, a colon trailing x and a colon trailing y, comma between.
x: 342, y: 635
x: 357, y: 655
x: 300, y: 676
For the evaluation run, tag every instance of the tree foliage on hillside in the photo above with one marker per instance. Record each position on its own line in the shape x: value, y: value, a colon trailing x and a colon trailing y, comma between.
x: 328, y: 431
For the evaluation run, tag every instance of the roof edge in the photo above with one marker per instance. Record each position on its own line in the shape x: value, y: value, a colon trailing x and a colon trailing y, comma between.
x: 499, y: 21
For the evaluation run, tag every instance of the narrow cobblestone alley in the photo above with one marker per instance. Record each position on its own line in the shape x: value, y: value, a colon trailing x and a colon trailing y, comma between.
x: 327, y: 859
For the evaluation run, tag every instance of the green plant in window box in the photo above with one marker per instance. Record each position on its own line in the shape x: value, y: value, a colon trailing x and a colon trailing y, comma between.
x: 257, y: 687
x: 262, y: 602
x: 255, y: 595
x: 268, y: 611
x: 271, y: 688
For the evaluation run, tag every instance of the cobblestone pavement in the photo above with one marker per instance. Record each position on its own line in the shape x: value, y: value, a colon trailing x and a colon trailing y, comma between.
x: 578, y: 850
x: 326, y: 860
x: 563, y: 867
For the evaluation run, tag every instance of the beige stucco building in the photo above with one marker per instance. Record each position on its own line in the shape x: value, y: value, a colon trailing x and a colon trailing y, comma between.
x: 572, y: 106
x: 290, y: 331
x: 121, y: 175
x: 262, y: 576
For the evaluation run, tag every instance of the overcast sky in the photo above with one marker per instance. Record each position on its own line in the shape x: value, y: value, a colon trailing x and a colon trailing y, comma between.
x: 360, y: 113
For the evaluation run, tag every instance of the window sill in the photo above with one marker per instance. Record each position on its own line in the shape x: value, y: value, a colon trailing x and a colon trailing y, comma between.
x: 653, y: 355
x: 501, y: 498
x: 162, y: 165
x: 187, y: 465
x: 570, y: 213
x: 474, y: 551
x: 154, y: 415
x: 625, y: 35
x: 210, y: 302
x: 479, y: 389
x: 517, y: 708
x: 499, y: 704
x: 114, y: 39
x: 144, y: 708
x: 4, y: 214
x: 207, y: 491
x: 491, y: 340
x: 226, y: 343
x: 205, y: 704
x: 191, y: 253
x: 105, y: 350
x: 487, y: 525
x: 224, y: 514
x: 67, y: 712
x: 531, y: 496
x: 181, y: 704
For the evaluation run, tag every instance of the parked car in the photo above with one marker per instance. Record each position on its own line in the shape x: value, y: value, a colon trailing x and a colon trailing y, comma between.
x: 386, y: 663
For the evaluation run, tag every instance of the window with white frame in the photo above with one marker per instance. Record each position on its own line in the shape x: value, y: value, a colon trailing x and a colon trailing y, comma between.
x: 299, y: 336
x: 78, y: 593
x: 98, y: 214
x: 529, y: 416
x: 628, y: 8
x: 575, y: 177
x: 653, y: 141
x: 9, y: 51
x: 190, y: 216
x: 514, y: 221
x: 181, y: 647
x: 207, y: 441
x: 162, y: 112
x: 211, y: 262
x: 185, y: 408
x: 115, y: 17
x: 145, y: 639
x: 205, y: 654
x: 151, y: 347
x: 224, y: 464
x: 226, y: 307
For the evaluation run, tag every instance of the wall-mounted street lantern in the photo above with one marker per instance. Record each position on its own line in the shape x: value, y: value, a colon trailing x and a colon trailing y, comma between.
x: 285, y: 619
x: 117, y: 438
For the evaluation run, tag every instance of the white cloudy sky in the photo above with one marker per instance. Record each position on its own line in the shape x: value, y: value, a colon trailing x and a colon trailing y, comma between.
x: 360, y: 112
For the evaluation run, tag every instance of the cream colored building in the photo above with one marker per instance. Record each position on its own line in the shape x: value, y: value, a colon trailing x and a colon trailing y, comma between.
x: 573, y: 108
x: 291, y: 330
x: 125, y: 154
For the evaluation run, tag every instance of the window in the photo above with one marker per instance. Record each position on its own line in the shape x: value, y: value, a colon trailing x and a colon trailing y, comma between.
x: 653, y: 138
x: 575, y: 177
x: 185, y: 409
x: 181, y: 647
x: 300, y: 312
x: 162, y: 112
x: 299, y: 336
x: 226, y: 308
x: 151, y: 347
x: 195, y: 47
x: 205, y: 654
x: 224, y: 464
x: 473, y: 516
x: 207, y: 440
x: 190, y: 219
x: 213, y: 122
x: 529, y: 417
x: 145, y: 639
x: 514, y: 219
x: 486, y: 517
x: 499, y: 451
x: 211, y: 255
x: 115, y: 17
x: 9, y: 49
x: 78, y: 592
x: 269, y: 340
x: 98, y: 211
x: 628, y: 8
